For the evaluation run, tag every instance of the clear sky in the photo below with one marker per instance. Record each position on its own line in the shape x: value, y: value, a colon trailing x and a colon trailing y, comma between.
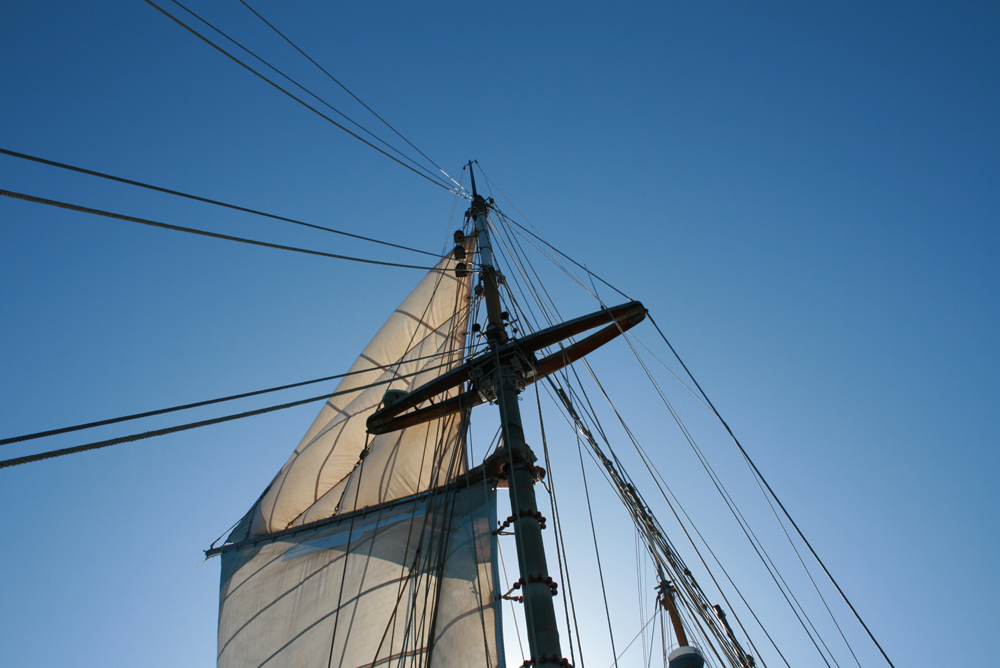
x: 805, y: 197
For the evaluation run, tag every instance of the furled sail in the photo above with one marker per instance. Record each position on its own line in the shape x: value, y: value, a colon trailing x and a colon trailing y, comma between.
x: 422, y: 339
x: 406, y: 584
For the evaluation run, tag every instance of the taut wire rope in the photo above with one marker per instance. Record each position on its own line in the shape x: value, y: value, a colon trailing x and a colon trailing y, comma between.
x: 592, y: 444
x: 213, y: 235
x: 657, y: 479
x: 632, y: 642
x: 306, y: 90
x: 198, y: 404
x: 593, y: 530
x: 712, y: 408
x: 774, y: 496
x: 6, y: 463
x: 506, y: 584
x: 346, y: 90
x: 751, y: 536
x: 110, y: 177
x: 539, y: 300
x: 291, y: 95
x: 543, y: 240
x: 557, y: 527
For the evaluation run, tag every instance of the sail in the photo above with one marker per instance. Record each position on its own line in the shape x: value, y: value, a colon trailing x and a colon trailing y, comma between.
x: 406, y: 583
x: 337, y: 467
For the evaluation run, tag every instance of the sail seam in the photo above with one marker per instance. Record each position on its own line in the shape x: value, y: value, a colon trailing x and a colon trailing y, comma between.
x: 343, y: 517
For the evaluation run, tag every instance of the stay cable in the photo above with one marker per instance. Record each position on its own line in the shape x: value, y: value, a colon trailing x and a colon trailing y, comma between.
x: 204, y: 233
x: 235, y: 207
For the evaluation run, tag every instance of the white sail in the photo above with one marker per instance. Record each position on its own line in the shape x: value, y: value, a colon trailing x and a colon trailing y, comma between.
x: 406, y: 584
x: 360, y: 553
x: 424, y: 336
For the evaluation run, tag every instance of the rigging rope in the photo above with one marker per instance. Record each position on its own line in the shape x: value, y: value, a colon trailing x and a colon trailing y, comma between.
x: 6, y: 463
x: 654, y: 474
x: 631, y: 642
x: 197, y: 404
x: 593, y: 531
x: 537, y: 296
x: 359, y: 100
x: 506, y: 585
x: 561, y: 555
x: 746, y: 457
x: 291, y: 95
x: 305, y: 90
x: 569, y: 272
x: 523, y: 272
x: 197, y: 198
x: 214, y: 235
x: 659, y: 546
x: 539, y: 238
x: 774, y: 496
x: 822, y: 598
x: 751, y: 536
x: 652, y: 639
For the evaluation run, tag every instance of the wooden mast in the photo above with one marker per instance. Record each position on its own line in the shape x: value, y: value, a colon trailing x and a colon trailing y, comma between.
x: 499, y: 374
x: 537, y: 586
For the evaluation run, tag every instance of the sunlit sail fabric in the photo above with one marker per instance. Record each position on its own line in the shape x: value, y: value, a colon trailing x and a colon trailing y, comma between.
x: 424, y: 336
x: 407, y: 584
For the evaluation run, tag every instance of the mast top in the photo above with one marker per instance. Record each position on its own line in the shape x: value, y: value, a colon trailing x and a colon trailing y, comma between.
x: 472, y: 174
x: 478, y: 202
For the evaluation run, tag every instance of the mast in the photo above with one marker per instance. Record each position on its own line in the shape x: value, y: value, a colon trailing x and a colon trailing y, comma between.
x: 537, y: 586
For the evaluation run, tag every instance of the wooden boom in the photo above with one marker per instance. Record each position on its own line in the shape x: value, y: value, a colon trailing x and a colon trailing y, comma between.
x: 480, y: 369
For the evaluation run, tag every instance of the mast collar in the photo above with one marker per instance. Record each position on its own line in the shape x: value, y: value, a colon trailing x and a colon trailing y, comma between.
x: 478, y: 205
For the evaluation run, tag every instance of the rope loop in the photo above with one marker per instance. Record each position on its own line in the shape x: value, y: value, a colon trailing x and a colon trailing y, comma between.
x: 520, y: 514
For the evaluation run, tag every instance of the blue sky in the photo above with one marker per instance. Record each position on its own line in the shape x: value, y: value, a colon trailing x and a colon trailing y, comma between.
x: 805, y: 197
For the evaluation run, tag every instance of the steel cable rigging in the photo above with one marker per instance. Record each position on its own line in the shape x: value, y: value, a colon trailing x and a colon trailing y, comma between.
x: 578, y: 281
x: 204, y: 233
x: 547, y: 318
x: 539, y: 238
x: 751, y: 536
x: 648, y: 464
x: 17, y: 461
x: 541, y: 304
x: 160, y: 432
x: 432, y: 179
x: 754, y: 469
x: 561, y: 554
x: 671, y: 505
x: 207, y: 200
x: 775, y: 497
x: 306, y: 90
x: 196, y: 404
x: 348, y: 91
x: 597, y: 553
x: 659, y: 545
